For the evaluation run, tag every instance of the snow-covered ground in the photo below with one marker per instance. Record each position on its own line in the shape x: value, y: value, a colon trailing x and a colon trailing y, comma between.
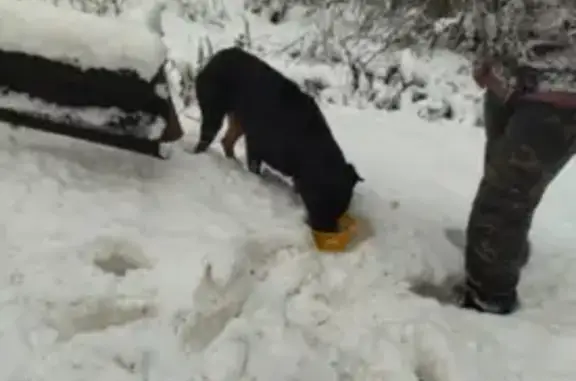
x: 121, y: 267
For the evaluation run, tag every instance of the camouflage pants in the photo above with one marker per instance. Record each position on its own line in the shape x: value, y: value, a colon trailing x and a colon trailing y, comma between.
x: 528, y: 143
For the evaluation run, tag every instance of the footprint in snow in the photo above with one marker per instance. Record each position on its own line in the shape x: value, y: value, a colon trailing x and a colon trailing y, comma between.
x: 116, y: 255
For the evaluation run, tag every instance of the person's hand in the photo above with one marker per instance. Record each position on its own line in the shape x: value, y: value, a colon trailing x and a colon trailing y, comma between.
x: 480, y: 73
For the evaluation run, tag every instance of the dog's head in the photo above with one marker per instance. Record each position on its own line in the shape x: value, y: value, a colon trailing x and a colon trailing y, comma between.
x: 343, y: 194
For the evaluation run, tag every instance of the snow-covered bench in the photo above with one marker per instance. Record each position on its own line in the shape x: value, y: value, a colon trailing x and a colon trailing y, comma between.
x: 84, y: 76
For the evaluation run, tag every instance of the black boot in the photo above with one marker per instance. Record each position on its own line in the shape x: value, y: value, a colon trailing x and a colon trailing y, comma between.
x: 467, y: 297
x: 502, y: 306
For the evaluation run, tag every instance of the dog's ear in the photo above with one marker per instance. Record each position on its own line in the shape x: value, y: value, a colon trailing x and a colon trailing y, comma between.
x: 356, y: 176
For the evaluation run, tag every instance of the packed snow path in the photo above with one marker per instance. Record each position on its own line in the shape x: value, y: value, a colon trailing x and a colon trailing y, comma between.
x: 120, y: 267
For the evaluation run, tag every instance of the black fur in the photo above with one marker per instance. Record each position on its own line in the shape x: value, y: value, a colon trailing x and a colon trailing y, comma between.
x: 283, y: 126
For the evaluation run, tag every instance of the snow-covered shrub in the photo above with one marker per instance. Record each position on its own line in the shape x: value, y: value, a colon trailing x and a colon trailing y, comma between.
x: 208, y: 10
x: 274, y: 10
x: 192, y: 10
x: 364, y: 37
x: 364, y: 41
x: 99, y: 7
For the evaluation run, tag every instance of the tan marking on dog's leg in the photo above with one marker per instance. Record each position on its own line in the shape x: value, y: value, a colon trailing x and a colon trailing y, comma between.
x: 233, y: 133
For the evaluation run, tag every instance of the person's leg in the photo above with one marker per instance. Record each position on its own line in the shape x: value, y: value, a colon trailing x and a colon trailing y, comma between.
x: 497, y: 114
x: 537, y: 143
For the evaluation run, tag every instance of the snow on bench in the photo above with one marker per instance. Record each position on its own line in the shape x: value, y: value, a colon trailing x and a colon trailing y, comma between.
x: 88, y: 41
x: 82, y: 70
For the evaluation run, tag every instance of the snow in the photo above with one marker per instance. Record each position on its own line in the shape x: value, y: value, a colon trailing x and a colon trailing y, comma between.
x: 89, y: 117
x: 38, y: 28
x: 121, y: 267
x: 224, y: 283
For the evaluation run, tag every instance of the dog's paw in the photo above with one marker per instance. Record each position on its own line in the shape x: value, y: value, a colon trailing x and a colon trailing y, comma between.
x: 255, y: 167
x: 199, y: 148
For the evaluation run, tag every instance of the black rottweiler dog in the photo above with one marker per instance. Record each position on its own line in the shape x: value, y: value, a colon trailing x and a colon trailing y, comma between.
x: 283, y: 127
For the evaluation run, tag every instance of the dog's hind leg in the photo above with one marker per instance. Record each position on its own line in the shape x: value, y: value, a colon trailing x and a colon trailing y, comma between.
x: 254, y: 165
x: 233, y: 133
x: 253, y: 158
